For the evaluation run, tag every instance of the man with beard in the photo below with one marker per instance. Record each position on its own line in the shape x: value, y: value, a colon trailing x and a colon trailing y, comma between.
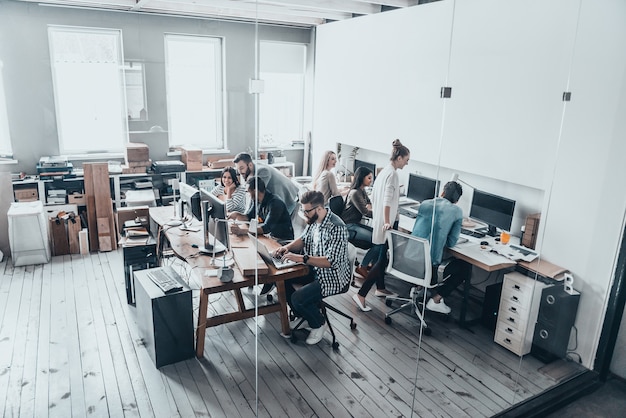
x: 274, y: 180
x: 323, y: 246
x: 272, y: 217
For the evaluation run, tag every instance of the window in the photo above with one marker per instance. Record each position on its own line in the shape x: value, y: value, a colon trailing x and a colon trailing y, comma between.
x: 5, y: 138
x: 282, y: 103
x: 88, y: 80
x: 135, y: 91
x: 194, y: 85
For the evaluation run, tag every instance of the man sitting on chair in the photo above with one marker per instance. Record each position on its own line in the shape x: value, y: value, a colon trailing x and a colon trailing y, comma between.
x: 446, y: 229
x: 324, y: 244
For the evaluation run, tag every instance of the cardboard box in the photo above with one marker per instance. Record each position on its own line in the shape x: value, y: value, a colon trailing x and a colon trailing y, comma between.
x: 141, y: 213
x: 192, y: 158
x: 137, y: 151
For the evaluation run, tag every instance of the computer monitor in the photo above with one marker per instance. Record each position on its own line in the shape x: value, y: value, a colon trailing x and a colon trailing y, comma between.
x: 191, y: 198
x: 421, y: 188
x: 360, y: 163
x: 214, y: 222
x: 495, y: 211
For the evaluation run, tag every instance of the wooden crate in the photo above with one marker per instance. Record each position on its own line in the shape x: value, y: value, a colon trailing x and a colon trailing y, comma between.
x: 26, y: 194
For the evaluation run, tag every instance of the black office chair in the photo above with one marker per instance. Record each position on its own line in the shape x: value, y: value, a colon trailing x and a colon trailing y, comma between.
x: 324, y: 306
x: 337, y: 205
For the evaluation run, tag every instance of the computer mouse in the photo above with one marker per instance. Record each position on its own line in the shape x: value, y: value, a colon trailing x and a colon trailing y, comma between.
x: 484, y: 242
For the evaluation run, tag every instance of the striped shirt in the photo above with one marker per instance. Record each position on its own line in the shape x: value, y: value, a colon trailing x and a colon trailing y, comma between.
x: 329, y: 239
x: 237, y: 201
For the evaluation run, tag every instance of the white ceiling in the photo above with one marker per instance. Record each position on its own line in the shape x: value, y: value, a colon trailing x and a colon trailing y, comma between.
x: 300, y: 13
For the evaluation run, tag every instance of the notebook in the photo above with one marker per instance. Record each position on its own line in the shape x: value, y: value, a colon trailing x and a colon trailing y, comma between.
x: 267, y: 256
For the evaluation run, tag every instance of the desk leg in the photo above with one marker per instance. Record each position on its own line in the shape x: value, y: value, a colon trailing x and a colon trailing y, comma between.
x: 201, y: 328
x: 282, y: 300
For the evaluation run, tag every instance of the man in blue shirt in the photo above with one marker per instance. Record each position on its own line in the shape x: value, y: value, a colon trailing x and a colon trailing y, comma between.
x: 445, y: 228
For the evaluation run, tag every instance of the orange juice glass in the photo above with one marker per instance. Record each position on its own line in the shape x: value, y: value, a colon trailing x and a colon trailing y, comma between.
x: 504, y: 237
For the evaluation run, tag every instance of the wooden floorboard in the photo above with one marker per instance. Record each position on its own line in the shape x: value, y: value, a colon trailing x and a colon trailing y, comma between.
x: 70, y: 346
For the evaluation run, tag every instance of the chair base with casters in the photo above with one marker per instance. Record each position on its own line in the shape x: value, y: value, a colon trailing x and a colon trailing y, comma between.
x: 324, y: 307
x: 413, y: 303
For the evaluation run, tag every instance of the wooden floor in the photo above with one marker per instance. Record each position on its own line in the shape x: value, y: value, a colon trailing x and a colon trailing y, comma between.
x: 69, y: 346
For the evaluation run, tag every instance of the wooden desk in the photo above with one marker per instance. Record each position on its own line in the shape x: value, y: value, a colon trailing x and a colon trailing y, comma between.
x: 474, y: 254
x: 247, y: 261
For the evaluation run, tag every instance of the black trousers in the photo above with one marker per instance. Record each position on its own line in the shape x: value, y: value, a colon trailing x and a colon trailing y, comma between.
x: 458, y: 271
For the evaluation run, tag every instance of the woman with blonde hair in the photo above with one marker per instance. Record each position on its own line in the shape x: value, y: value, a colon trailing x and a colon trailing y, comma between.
x: 324, y: 180
x: 385, y: 197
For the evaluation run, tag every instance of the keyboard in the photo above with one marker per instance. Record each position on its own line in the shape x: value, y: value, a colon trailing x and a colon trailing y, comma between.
x: 415, y: 207
x: 164, y: 281
x: 406, y: 212
x: 472, y: 233
x: 523, y: 250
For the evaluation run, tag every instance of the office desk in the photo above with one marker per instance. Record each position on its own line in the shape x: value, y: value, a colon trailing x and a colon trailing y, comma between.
x: 473, y: 253
x: 249, y: 270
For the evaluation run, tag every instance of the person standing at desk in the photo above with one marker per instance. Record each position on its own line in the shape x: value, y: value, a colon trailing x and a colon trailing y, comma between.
x: 231, y: 191
x: 272, y: 217
x: 325, y: 246
x: 324, y: 180
x: 385, y: 196
x: 275, y: 181
x: 443, y: 232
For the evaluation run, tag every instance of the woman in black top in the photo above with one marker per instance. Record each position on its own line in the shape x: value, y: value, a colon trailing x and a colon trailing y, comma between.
x: 358, y: 204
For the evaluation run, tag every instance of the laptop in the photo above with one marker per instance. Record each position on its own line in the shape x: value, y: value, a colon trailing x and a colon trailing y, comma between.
x: 267, y: 256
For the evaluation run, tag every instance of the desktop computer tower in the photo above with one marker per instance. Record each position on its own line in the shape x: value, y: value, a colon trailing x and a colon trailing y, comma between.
x: 165, y: 321
x: 491, y: 305
x: 557, y: 313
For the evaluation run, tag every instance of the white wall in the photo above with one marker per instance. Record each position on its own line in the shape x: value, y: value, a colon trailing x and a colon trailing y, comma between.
x: 378, y: 78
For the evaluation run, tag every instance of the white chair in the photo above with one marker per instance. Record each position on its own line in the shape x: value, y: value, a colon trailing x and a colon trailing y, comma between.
x: 409, y: 260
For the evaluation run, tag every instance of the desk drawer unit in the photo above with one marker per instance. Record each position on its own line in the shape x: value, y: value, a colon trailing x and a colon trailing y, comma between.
x: 519, y: 305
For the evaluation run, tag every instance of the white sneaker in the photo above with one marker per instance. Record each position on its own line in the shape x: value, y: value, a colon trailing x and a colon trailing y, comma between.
x: 440, y: 307
x: 316, y: 335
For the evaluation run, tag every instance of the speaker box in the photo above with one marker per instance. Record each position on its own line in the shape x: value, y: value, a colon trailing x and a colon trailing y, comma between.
x: 557, y: 313
x: 491, y: 305
x: 165, y: 321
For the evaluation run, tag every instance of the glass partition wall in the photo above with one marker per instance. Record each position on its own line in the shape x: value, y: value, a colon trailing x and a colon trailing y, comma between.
x: 517, y: 102
x: 494, y: 99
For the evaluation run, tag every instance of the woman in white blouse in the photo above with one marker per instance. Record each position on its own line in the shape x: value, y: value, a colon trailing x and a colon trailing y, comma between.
x: 231, y: 191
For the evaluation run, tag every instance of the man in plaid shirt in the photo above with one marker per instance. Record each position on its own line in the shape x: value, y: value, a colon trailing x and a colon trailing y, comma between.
x: 324, y: 247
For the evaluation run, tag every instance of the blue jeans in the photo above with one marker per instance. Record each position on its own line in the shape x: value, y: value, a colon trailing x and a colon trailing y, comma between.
x: 305, y: 301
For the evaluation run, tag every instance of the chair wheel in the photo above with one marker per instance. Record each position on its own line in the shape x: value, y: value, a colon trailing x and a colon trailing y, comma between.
x: 352, y: 325
x: 388, y: 320
x: 428, y: 331
x: 335, y: 346
x: 388, y: 302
